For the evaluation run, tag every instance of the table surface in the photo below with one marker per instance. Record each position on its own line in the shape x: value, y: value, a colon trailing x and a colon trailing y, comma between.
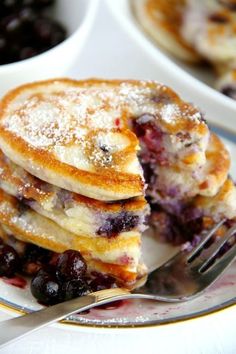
x: 110, y: 53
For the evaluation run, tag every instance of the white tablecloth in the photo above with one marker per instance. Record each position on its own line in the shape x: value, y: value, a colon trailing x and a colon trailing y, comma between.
x: 109, y: 52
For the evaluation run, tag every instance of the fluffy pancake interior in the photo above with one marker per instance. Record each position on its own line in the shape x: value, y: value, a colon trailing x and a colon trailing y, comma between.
x: 76, y: 213
x: 121, y: 253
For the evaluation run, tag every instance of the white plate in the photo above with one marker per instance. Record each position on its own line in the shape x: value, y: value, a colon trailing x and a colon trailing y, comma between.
x: 187, y: 81
x: 140, y: 312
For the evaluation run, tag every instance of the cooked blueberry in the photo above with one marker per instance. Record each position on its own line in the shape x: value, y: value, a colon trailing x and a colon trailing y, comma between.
x: 151, y: 139
x: 35, y: 253
x: 161, y: 97
x: 71, y: 265
x: 101, y: 282
x: 48, y: 32
x: 46, y: 288
x: 74, y: 288
x: 114, y: 225
x: 9, y: 261
x: 219, y: 18
x: 31, y: 268
x: 35, y: 258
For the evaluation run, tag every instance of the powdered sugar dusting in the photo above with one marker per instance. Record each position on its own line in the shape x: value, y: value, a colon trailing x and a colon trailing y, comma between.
x: 169, y: 112
x: 80, y: 120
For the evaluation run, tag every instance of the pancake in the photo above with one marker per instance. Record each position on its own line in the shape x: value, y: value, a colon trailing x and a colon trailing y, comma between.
x: 210, y: 28
x: 185, y: 222
x: 118, y: 256
x: 73, y: 212
x: 191, y: 29
x: 194, y: 31
x: 162, y: 20
x: 79, y: 135
x: 222, y: 205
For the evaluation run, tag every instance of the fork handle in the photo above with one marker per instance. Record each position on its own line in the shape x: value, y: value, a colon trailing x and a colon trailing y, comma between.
x: 16, y: 328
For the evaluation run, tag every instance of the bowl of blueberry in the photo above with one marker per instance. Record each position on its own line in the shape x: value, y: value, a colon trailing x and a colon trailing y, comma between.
x: 41, y: 39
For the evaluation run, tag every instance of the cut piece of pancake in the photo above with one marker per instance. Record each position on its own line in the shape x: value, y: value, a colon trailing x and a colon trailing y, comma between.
x: 168, y: 185
x: 118, y: 256
x: 163, y: 21
x: 188, y: 219
x: 78, y: 135
x: 76, y: 213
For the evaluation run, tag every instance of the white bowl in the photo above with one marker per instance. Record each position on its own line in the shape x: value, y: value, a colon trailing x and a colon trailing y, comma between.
x: 190, y: 83
x: 77, y: 16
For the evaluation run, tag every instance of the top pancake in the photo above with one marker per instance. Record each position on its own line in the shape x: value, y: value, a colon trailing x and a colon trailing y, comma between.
x: 77, y: 134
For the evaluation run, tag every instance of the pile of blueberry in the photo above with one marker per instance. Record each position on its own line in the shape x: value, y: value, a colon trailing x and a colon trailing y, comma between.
x: 56, y: 277
x: 26, y: 30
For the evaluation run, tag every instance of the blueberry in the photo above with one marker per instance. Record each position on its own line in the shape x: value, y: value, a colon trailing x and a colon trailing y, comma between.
x: 102, y: 282
x: 74, y: 288
x: 219, y: 18
x: 46, y: 288
x: 114, y: 225
x: 9, y: 261
x: 41, y: 3
x: 71, y: 265
x: 35, y: 258
x: 35, y: 253
x: 48, y: 32
x: 27, y: 16
x: 25, y: 31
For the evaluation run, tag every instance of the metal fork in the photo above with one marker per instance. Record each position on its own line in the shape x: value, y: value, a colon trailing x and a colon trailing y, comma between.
x: 182, y: 278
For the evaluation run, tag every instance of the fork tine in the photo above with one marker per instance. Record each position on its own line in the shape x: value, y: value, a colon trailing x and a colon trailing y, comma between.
x: 212, y: 251
x: 204, y: 240
x: 220, y: 265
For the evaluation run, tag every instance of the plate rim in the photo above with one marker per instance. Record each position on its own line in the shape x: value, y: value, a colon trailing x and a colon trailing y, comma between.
x: 229, y: 304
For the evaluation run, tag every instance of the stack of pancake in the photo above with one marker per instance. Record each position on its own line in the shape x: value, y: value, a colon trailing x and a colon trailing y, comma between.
x: 76, y: 158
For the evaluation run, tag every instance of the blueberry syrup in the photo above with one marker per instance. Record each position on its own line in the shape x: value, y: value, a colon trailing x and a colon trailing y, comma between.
x: 111, y: 306
x: 17, y: 281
